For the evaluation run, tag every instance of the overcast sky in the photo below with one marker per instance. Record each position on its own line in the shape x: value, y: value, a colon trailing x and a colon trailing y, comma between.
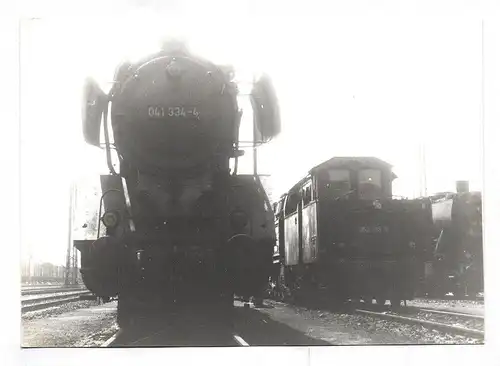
x: 347, y: 86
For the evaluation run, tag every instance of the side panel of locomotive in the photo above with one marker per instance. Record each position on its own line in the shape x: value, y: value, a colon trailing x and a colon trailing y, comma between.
x: 310, y: 242
x: 292, y: 230
x: 279, y: 228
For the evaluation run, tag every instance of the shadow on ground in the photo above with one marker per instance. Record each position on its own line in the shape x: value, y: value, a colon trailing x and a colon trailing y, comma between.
x: 194, y: 330
x: 258, y: 329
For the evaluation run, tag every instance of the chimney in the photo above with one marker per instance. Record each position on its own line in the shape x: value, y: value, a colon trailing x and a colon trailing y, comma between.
x: 462, y: 186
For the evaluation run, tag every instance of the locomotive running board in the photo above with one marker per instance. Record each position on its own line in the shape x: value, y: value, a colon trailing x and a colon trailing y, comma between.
x: 82, y: 245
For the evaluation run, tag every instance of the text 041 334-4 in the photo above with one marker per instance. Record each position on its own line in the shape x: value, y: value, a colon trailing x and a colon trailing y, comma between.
x: 178, y: 111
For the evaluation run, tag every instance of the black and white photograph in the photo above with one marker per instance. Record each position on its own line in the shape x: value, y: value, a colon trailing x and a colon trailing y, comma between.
x: 285, y: 181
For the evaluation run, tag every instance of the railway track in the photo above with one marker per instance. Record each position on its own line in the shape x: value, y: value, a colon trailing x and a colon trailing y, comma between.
x: 445, y: 320
x: 49, y: 290
x: 39, y: 303
x: 236, y: 340
x: 40, y: 285
x: 191, y: 328
x: 453, y: 297
x: 456, y: 313
x: 113, y: 341
x: 432, y: 319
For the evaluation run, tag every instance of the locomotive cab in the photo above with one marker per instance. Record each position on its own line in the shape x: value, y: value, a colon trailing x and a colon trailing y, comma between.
x: 371, y: 181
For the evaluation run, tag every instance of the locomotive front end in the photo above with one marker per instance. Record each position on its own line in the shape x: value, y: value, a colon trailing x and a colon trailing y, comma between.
x: 175, y: 112
x: 172, y: 214
x: 456, y: 259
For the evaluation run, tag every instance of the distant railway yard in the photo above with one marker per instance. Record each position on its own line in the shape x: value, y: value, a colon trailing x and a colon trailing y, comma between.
x: 54, y: 316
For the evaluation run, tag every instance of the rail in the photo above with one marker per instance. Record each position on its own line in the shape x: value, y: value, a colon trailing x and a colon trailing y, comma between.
x: 426, y: 323
x: 50, y: 301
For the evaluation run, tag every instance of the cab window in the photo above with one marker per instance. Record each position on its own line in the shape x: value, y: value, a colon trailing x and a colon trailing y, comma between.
x: 338, y: 182
x: 291, y: 203
x: 307, y: 194
x: 278, y: 206
x: 370, y: 184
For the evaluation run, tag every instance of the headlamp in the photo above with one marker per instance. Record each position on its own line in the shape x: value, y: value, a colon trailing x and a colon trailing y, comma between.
x: 110, y: 219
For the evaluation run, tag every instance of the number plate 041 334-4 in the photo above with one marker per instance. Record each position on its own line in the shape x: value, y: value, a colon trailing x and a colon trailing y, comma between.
x: 178, y: 111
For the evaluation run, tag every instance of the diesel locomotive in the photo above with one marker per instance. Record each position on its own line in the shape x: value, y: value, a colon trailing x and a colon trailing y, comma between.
x: 342, y: 235
x: 179, y: 227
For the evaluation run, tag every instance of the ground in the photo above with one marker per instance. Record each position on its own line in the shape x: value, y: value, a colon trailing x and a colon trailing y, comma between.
x: 84, y: 327
x: 275, y: 324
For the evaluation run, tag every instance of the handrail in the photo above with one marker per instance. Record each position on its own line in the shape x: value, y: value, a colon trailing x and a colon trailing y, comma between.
x: 106, y: 139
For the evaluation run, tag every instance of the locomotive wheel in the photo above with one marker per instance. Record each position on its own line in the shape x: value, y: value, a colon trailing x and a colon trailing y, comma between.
x: 395, y: 302
x: 339, y: 300
x: 379, y: 300
x: 356, y: 301
x: 302, y: 291
x: 258, y: 301
x: 277, y: 292
x: 460, y: 292
x: 437, y: 293
x: 282, y: 291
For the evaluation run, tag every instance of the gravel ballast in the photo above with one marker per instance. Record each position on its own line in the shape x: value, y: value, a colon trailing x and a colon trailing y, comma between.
x: 82, y: 324
x: 342, y: 328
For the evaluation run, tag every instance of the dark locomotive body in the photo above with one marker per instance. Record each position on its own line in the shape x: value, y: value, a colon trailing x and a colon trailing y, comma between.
x: 454, y: 263
x: 342, y: 235
x: 181, y: 229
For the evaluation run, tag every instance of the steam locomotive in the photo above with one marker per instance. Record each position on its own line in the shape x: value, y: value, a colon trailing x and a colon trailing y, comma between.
x: 454, y: 262
x: 342, y: 235
x: 182, y: 231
